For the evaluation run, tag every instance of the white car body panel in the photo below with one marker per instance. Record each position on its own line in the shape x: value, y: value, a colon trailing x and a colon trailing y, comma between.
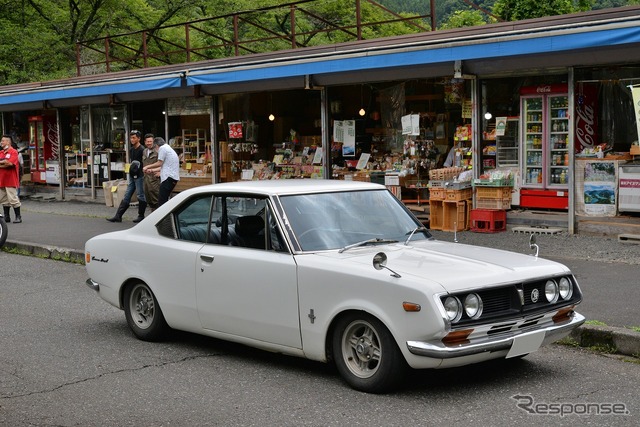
x: 249, y: 293
x: 286, y: 302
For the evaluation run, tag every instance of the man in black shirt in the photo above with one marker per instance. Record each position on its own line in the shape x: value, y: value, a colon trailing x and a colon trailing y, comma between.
x: 136, y: 180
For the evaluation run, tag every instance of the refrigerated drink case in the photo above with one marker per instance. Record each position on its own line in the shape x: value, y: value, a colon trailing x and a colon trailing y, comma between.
x: 545, y: 147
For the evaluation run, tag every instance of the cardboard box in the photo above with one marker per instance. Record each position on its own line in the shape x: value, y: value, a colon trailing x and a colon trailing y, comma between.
x: 108, y: 193
x: 120, y: 189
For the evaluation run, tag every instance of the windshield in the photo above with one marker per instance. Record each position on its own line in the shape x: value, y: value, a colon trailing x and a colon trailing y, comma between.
x: 335, y: 220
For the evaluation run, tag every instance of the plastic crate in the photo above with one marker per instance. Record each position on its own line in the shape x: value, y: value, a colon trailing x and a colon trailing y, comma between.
x: 454, y: 216
x: 457, y: 195
x: 488, y: 220
x: 493, y: 192
x: 457, y: 185
x: 506, y: 182
x: 436, y: 214
x: 482, y: 203
x: 437, y: 184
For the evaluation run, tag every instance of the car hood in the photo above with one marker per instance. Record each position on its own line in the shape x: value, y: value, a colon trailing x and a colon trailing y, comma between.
x: 454, y: 266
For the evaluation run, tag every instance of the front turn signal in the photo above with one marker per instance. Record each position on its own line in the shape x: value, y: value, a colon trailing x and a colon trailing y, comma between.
x: 411, y: 306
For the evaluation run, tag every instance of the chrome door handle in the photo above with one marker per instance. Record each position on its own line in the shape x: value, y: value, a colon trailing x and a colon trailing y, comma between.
x: 206, y: 258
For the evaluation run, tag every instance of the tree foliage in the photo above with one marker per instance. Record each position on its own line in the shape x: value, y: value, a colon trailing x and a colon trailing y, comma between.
x: 515, y: 10
x: 39, y: 36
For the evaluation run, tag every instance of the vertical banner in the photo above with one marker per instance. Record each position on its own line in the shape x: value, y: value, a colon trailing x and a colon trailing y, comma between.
x: 586, y: 116
x: 635, y: 91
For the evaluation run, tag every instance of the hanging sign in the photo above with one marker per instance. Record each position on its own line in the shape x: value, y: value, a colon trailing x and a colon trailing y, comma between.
x: 586, y: 116
x: 188, y: 106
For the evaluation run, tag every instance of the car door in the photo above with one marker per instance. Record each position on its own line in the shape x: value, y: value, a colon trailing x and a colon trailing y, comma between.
x: 245, y: 288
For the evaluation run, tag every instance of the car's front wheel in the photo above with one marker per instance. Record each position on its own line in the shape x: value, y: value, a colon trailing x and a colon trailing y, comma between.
x: 3, y: 231
x: 143, y: 313
x: 366, y: 354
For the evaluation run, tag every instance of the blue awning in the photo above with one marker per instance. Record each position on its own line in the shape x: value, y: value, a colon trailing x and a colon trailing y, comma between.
x: 90, y: 90
x: 487, y: 48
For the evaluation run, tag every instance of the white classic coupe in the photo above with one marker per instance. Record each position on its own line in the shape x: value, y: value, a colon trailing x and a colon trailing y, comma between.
x: 333, y: 271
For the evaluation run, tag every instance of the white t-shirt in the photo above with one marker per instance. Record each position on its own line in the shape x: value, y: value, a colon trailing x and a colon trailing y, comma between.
x: 170, y: 163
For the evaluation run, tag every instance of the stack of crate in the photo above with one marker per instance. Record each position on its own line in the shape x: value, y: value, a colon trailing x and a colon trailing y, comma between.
x: 449, y: 206
x: 492, y: 202
x: 493, y: 197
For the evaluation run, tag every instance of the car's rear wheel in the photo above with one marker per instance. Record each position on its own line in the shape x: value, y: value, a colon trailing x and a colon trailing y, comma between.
x: 366, y: 354
x: 143, y: 313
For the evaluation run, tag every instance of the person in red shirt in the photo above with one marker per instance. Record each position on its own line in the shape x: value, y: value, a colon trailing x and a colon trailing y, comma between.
x: 9, y: 179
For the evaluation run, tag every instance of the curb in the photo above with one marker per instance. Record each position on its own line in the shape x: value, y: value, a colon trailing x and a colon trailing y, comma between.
x: 618, y: 340
x: 49, y: 252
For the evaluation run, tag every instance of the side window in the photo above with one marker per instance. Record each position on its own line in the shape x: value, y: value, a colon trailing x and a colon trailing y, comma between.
x: 276, y: 240
x: 246, y: 222
x: 193, y: 220
x: 242, y: 221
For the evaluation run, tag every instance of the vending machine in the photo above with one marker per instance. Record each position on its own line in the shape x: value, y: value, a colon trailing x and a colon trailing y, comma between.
x: 545, y: 146
x: 39, y: 147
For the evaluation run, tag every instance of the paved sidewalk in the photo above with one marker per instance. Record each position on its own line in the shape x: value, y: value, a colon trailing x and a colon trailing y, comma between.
x: 59, y: 229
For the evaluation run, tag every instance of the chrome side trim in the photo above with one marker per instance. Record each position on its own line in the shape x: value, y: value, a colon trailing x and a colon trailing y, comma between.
x: 93, y: 285
x: 483, y: 344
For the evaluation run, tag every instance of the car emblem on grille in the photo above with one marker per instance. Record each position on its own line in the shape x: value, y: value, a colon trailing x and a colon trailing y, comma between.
x: 535, y: 294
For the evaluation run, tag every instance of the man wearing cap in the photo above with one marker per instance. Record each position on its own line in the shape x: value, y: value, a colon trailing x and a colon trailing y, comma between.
x: 136, y: 180
x: 168, y: 167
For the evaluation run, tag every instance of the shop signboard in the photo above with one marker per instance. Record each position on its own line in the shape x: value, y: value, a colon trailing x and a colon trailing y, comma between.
x: 188, y: 106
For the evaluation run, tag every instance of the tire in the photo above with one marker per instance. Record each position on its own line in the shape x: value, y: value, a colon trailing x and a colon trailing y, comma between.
x: 4, y: 232
x: 143, y: 313
x: 366, y: 355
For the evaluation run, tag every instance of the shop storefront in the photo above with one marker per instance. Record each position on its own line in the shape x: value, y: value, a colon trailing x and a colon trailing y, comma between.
x: 506, y: 100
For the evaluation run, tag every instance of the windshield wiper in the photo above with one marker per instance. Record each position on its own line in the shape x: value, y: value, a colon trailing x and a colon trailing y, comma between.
x: 415, y: 230
x: 367, y: 242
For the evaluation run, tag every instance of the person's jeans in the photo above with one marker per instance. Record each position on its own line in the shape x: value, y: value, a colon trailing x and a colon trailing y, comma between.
x: 166, y: 187
x: 135, y: 184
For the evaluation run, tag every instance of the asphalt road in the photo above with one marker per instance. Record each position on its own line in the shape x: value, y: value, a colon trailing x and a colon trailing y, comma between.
x: 67, y: 358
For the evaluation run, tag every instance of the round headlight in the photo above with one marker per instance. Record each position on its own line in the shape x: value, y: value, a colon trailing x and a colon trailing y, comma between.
x: 565, y: 288
x: 473, y: 306
x: 551, y: 291
x: 453, y: 308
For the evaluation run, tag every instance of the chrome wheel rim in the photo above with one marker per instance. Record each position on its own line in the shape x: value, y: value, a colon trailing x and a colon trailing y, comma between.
x: 361, y: 349
x: 142, y: 306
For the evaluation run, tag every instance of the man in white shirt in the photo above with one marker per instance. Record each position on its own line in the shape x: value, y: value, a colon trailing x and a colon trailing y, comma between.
x: 167, y: 167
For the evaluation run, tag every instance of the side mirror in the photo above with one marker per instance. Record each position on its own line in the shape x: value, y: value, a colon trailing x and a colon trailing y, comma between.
x: 533, y: 244
x: 380, y: 262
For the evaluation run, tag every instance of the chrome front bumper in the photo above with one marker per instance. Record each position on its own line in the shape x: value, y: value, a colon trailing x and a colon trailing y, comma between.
x: 502, y: 342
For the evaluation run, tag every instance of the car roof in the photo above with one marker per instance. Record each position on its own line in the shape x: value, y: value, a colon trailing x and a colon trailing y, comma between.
x: 290, y: 186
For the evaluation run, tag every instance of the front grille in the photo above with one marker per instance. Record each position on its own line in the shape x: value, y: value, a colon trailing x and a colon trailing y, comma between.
x: 516, y: 300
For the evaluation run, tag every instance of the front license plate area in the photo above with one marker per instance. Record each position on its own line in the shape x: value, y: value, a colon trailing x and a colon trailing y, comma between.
x: 526, y: 343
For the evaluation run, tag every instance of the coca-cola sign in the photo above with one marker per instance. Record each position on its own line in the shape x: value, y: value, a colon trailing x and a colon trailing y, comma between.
x: 586, y: 101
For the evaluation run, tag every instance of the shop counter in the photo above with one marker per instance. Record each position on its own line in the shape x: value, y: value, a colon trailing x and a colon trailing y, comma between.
x: 187, y: 182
